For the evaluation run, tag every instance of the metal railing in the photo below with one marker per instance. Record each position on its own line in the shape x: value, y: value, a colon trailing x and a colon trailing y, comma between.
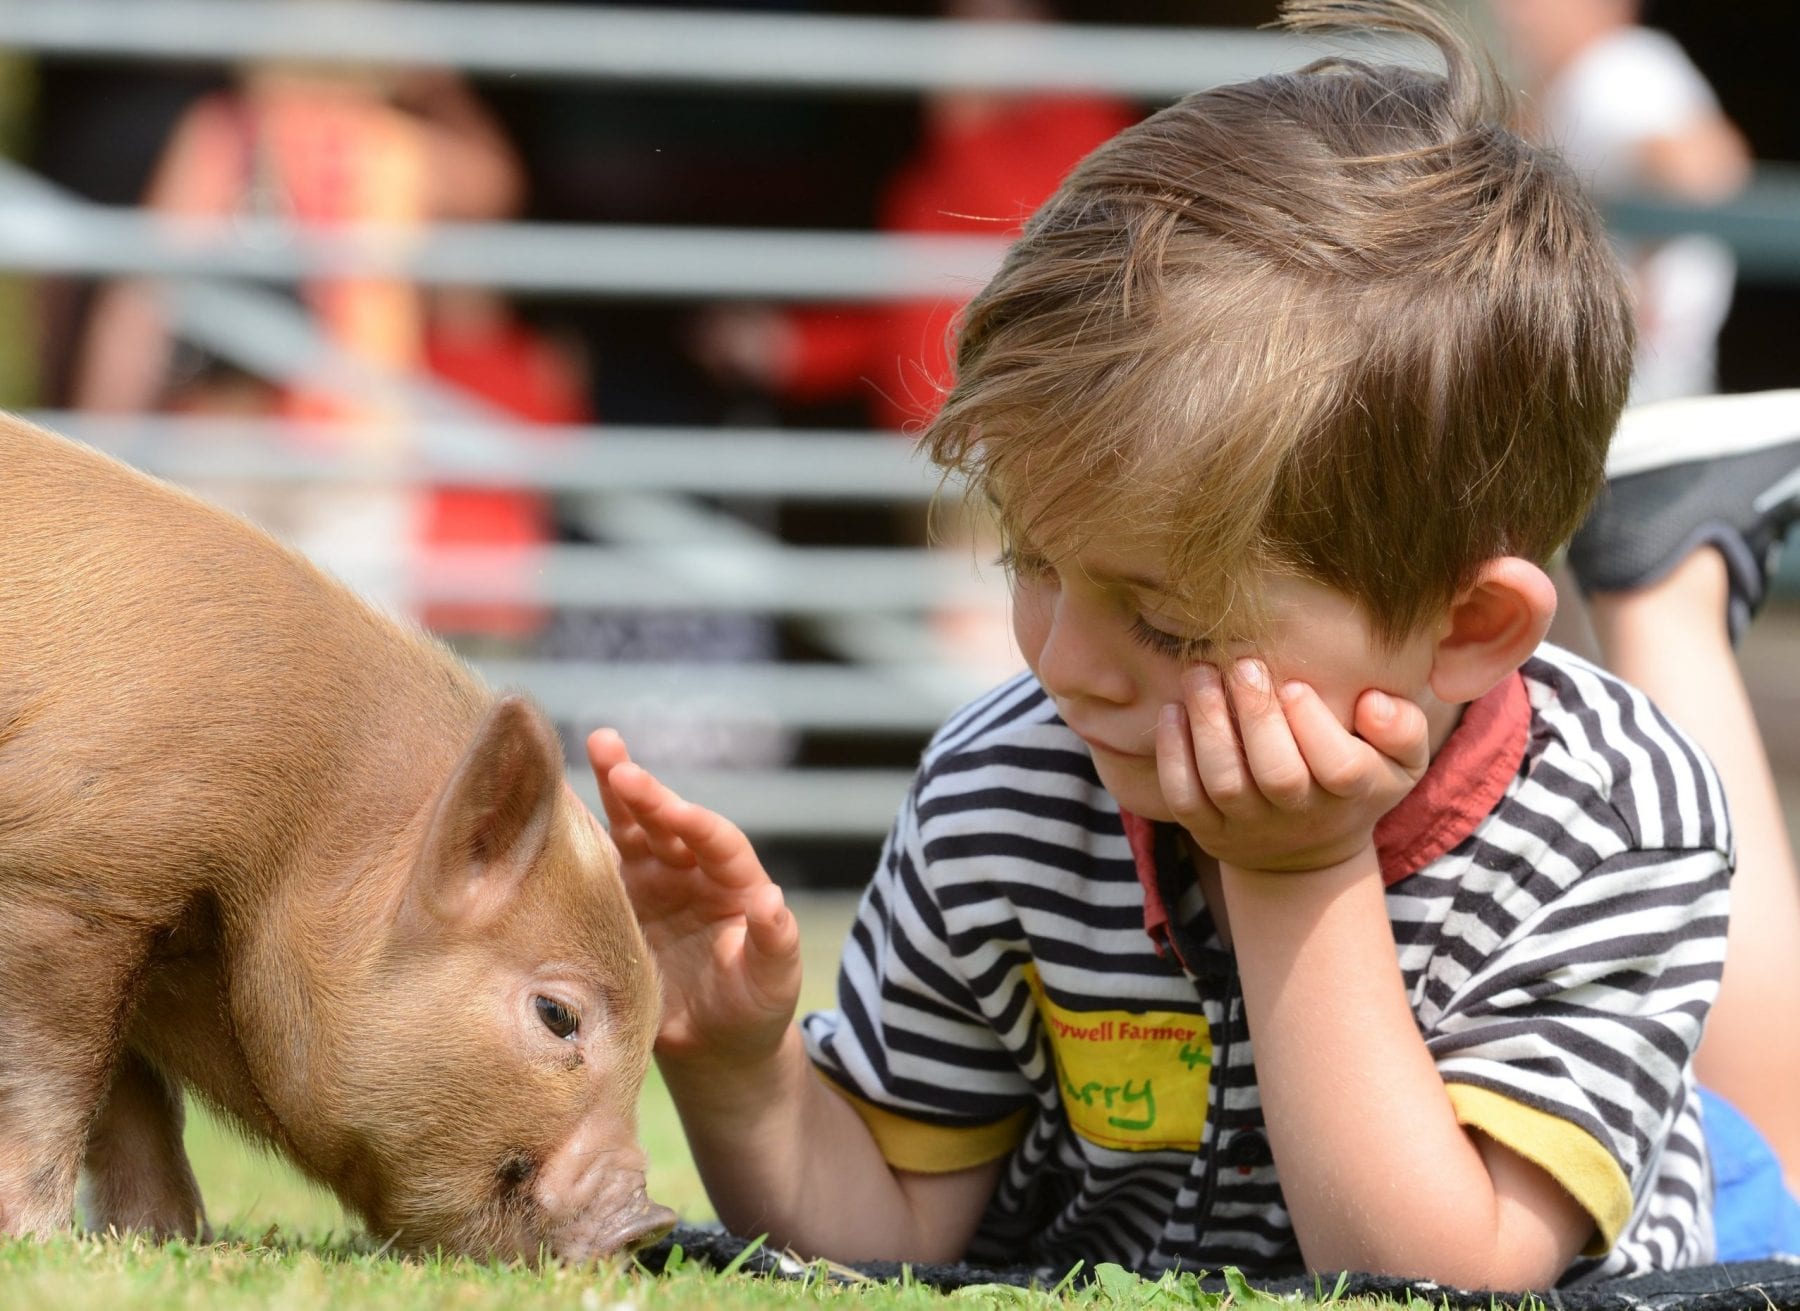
x: 712, y: 49
x: 659, y: 500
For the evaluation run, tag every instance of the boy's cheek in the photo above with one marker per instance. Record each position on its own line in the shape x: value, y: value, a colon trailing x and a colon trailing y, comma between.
x: 1342, y: 706
x: 1030, y: 619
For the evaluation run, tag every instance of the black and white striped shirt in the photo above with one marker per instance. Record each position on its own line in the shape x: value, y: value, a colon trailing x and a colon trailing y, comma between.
x: 999, y: 995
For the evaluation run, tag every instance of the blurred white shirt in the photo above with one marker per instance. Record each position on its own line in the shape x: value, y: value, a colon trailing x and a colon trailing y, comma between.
x: 1627, y: 89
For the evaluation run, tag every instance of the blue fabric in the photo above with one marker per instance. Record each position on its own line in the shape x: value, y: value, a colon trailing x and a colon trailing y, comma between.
x: 1754, y: 1215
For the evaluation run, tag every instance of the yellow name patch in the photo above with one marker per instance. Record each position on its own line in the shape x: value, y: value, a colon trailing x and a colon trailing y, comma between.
x: 1130, y: 1080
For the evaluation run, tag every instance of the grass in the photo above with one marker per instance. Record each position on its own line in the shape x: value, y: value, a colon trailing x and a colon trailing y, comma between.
x: 287, y: 1246
x: 273, y: 1273
x: 111, y: 1274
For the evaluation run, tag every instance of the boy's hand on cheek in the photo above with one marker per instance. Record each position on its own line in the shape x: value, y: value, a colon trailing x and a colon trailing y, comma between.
x: 1267, y: 778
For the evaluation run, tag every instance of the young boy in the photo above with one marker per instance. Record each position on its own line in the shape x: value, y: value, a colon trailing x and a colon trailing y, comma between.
x: 1291, y: 913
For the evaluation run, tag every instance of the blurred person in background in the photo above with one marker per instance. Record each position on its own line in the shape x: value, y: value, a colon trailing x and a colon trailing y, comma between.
x: 324, y: 148
x: 984, y: 162
x: 1675, y: 561
x: 1633, y: 116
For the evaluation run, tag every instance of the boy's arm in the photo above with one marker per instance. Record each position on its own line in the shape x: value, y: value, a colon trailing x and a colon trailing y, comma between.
x: 1376, y: 1169
x: 782, y: 1154
x: 779, y: 1151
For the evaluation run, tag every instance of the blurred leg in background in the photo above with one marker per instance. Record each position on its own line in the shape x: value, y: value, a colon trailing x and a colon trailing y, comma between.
x: 1676, y: 561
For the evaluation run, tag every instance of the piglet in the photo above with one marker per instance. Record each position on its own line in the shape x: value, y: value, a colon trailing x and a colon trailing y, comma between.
x: 261, y: 843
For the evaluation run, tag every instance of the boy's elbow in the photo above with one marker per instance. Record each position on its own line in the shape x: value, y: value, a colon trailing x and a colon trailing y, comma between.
x: 1456, y: 1261
x: 1513, y: 1264
x: 1514, y: 1228
x: 1530, y: 1227
x: 946, y: 1209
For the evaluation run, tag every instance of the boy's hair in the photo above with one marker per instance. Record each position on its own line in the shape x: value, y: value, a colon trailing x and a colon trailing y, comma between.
x: 1340, y: 322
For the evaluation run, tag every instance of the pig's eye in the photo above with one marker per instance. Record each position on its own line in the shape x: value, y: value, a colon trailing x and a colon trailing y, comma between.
x: 557, y: 1018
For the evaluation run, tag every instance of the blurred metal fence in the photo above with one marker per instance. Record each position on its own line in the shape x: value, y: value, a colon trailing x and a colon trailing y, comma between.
x: 660, y: 499
x: 712, y: 48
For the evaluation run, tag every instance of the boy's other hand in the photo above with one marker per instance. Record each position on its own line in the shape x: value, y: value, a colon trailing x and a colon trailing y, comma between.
x: 1266, y: 778
x: 726, y: 944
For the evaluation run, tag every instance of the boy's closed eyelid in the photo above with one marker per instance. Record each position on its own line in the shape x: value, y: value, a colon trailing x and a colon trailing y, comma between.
x: 1021, y: 560
x: 1163, y: 642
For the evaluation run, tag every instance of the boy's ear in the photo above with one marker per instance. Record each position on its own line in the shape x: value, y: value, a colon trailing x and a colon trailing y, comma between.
x: 1493, y: 627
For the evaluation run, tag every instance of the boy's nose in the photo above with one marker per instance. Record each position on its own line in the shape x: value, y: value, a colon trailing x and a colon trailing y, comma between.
x: 1076, y: 658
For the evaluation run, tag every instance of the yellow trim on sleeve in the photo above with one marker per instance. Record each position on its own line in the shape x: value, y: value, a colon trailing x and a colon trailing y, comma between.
x: 1569, y: 1154
x: 934, y: 1148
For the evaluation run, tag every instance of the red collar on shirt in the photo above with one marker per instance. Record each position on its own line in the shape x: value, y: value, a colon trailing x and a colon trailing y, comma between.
x: 1463, y: 784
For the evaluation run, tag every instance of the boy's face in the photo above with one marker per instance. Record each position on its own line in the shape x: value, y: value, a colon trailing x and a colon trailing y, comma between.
x: 1107, y: 640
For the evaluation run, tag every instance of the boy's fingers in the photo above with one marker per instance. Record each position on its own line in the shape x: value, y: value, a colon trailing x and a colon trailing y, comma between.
x: 628, y: 836
x: 1275, y: 763
x: 621, y: 825
x: 723, y: 851
x: 1395, y: 727
x: 612, y: 805
x: 1175, y: 771
x: 685, y: 834
x: 771, y: 942
x: 1223, y: 773
x: 651, y: 806
x: 605, y: 750
x: 1338, y: 762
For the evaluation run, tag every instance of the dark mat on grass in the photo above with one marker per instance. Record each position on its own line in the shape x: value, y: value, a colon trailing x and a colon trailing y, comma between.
x: 1733, y: 1286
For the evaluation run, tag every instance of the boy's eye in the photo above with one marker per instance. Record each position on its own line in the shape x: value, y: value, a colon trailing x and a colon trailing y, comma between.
x: 1168, y: 644
x: 1022, y: 563
x: 557, y: 1018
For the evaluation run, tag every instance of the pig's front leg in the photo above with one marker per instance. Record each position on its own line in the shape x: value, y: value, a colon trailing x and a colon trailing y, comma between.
x: 138, y: 1176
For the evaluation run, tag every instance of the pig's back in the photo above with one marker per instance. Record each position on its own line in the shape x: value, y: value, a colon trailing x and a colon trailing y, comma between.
x: 181, y: 690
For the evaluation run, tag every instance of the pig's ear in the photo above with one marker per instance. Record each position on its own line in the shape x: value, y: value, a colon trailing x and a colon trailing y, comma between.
x: 492, y: 818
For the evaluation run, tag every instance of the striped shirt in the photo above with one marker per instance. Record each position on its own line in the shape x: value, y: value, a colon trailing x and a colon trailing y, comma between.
x: 999, y: 995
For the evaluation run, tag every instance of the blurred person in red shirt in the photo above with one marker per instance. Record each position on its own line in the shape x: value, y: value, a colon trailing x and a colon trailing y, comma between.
x: 984, y: 162
x: 327, y: 147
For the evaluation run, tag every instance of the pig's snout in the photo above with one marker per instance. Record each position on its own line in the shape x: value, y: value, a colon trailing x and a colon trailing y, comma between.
x: 596, y: 1204
x: 614, y: 1233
